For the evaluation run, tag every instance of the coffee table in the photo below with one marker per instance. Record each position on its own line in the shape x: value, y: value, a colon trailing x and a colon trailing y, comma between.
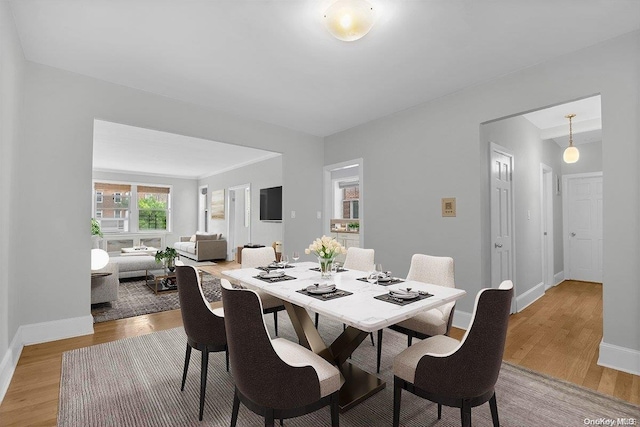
x: 163, y: 281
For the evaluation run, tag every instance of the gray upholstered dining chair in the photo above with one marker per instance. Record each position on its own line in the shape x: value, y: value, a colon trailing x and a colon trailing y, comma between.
x: 277, y: 378
x: 460, y: 374
x: 261, y: 257
x: 203, y: 325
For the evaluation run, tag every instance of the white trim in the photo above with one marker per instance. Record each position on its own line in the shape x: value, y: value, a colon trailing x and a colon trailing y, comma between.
x: 37, y: 333
x: 9, y: 363
x: 619, y: 358
x: 56, y: 330
x: 532, y: 295
x: 558, y: 278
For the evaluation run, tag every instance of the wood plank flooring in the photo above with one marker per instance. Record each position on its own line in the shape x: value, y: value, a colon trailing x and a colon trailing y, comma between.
x: 558, y: 335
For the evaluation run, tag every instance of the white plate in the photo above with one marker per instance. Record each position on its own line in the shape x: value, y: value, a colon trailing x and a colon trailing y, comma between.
x: 271, y: 274
x: 385, y: 279
x: 321, y: 289
x: 404, y: 295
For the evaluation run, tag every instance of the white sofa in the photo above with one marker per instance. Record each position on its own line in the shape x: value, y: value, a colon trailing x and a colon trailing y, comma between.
x: 134, y: 265
x: 202, y: 247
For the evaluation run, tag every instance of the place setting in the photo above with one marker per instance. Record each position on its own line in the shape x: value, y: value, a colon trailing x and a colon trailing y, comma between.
x: 381, y: 277
x: 403, y: 296
x: 275, y: 265
x: 336, y: 267
x: 324, y: 291
x: 272, y: 276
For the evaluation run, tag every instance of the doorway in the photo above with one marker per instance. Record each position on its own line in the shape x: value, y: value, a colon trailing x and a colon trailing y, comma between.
x: 546, y: 231
x: 203, y: 209
x: 582, y: 206
x: 343, y: 202
x: 239, y: 218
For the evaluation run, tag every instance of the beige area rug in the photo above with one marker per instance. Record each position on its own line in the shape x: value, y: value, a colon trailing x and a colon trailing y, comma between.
x: 136, y: 382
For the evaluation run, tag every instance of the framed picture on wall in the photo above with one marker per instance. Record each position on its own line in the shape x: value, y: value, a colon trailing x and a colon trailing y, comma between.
x: 217, y: 204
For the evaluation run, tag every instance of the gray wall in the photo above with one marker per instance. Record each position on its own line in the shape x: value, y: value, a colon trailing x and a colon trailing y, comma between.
x: 60, y: 108
x: 264, y: 174
x: 590, y: 159
x: 11, y: 92
x: 184, y: 200
x: 435, y: 151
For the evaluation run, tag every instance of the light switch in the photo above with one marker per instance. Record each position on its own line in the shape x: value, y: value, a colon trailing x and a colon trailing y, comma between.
x: 449, y: 206
x: 293, y: 214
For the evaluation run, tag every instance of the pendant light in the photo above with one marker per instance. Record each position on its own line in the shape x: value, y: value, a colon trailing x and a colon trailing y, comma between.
x: 571, y: 153
x: 349, y: 20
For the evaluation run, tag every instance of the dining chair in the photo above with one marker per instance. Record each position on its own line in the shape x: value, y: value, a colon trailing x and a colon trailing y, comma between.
x: 437, y: 321
x: 261, y: 257
x: 276, y: 379
x: 203, y: 325
x: 357, y: 259
x: 459, y: 374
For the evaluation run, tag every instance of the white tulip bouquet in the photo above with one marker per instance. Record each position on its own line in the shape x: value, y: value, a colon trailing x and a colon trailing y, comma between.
x: 325, y: 247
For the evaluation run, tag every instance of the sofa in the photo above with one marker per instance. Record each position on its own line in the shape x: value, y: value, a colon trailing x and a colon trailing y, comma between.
x: 202, y: 247
x: 104, y: 288
x: 134, y: 265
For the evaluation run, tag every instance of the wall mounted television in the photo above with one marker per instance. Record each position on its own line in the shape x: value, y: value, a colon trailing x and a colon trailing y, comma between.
x: 271, y: 204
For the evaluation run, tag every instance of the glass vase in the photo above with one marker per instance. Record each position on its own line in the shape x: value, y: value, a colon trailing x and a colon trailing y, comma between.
x: 326, y: 265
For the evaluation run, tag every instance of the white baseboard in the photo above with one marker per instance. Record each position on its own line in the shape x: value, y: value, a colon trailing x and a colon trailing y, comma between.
x: 9, y: 363
x: 38, y: 333
x: 529, y: 297
x: 56, y: 330
x: 619, y: 358
x: 461, y: 319
x: 558, y: 278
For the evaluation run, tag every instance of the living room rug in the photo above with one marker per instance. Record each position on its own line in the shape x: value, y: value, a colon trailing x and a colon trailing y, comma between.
x: 135, y: 298
x: 136, y: 382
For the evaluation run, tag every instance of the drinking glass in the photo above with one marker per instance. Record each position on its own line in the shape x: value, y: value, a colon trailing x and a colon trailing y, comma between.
x: 295, y: 256
x: 284, y: 260
x: 372, y: 278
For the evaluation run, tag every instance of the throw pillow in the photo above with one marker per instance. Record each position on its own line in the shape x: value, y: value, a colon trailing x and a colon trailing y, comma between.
x: 193, y: 238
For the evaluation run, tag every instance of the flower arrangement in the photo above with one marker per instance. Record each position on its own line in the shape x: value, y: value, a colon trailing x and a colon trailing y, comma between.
x: 325, y: 247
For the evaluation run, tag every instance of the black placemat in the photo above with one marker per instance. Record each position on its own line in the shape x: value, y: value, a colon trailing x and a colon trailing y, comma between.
x: 338, y: 293
x: 269, y: 268
x: 340, y: 270
x: 394, y: 281
x: 398, y: 301
x: 274, y: 279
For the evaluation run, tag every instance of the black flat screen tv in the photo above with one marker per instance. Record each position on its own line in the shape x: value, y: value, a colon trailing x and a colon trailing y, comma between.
x: 271, y: 204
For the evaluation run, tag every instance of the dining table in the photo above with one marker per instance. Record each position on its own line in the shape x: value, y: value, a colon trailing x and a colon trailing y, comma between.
x: 363, y: 307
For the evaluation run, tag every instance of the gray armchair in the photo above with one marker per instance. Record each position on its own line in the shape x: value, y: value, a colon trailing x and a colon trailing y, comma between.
x: 104, y: 288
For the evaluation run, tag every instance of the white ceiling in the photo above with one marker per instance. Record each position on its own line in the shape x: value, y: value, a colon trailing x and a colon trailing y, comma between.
x: 587, y: 124
x: 273, y: 60
x: 122, y: 148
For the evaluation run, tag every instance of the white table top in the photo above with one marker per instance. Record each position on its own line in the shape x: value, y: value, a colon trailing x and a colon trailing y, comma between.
x: 359, y: 310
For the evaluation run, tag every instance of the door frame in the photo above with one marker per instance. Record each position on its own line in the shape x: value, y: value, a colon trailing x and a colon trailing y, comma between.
x: 205, y: 211
x: 495, y: 148
x: 546, y: 225
x: 565, y: 213
x: 231, y: 240
x: 327, y: 195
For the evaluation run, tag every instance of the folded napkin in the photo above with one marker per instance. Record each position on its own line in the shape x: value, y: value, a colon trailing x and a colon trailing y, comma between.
x: 403, y: 292
x: 321, y: 287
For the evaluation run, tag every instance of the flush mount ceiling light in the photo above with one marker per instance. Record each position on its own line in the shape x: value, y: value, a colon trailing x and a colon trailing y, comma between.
x: 349, y: 20
x: 571, y: 153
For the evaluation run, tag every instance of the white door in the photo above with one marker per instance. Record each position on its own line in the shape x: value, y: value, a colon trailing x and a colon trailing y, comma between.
x: 203, y: 211
x: 239, y: 218
x: 502, y: 239
x: 547, y: 190
x: 584, y: 227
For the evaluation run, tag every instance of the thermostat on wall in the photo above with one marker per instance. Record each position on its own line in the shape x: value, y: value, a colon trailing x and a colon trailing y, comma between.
x: 449, y: 206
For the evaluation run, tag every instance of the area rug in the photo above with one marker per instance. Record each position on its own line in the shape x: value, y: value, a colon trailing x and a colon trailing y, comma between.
x: 136, y: 382
x: 135, y: 298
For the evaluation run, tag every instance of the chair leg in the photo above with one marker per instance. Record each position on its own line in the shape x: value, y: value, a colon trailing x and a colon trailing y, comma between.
x: 187, y: 358
x: 371, y: 335
x: 465, y: 413
x: 397, y: 395
x: 268, y: 418
x: 203, y: 380
x: 317, y: 319
x: 335, y: 410
x: 494, y: 410
x: 275, y: 321
x: 439, y: 411
x: 409, y: 339
x: 379, y: 350
x: 226, y: 356
x: 236, y: 408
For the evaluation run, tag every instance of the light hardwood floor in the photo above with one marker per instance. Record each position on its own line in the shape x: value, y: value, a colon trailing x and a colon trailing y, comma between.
x: 558, y: 335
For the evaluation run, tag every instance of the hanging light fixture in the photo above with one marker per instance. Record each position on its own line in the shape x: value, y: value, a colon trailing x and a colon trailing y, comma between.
x: 349, y: 20
x: 571, y: 153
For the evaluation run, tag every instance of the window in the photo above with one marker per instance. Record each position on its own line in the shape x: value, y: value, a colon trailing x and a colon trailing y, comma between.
x: 116, y: 214
x: 350, y: 200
